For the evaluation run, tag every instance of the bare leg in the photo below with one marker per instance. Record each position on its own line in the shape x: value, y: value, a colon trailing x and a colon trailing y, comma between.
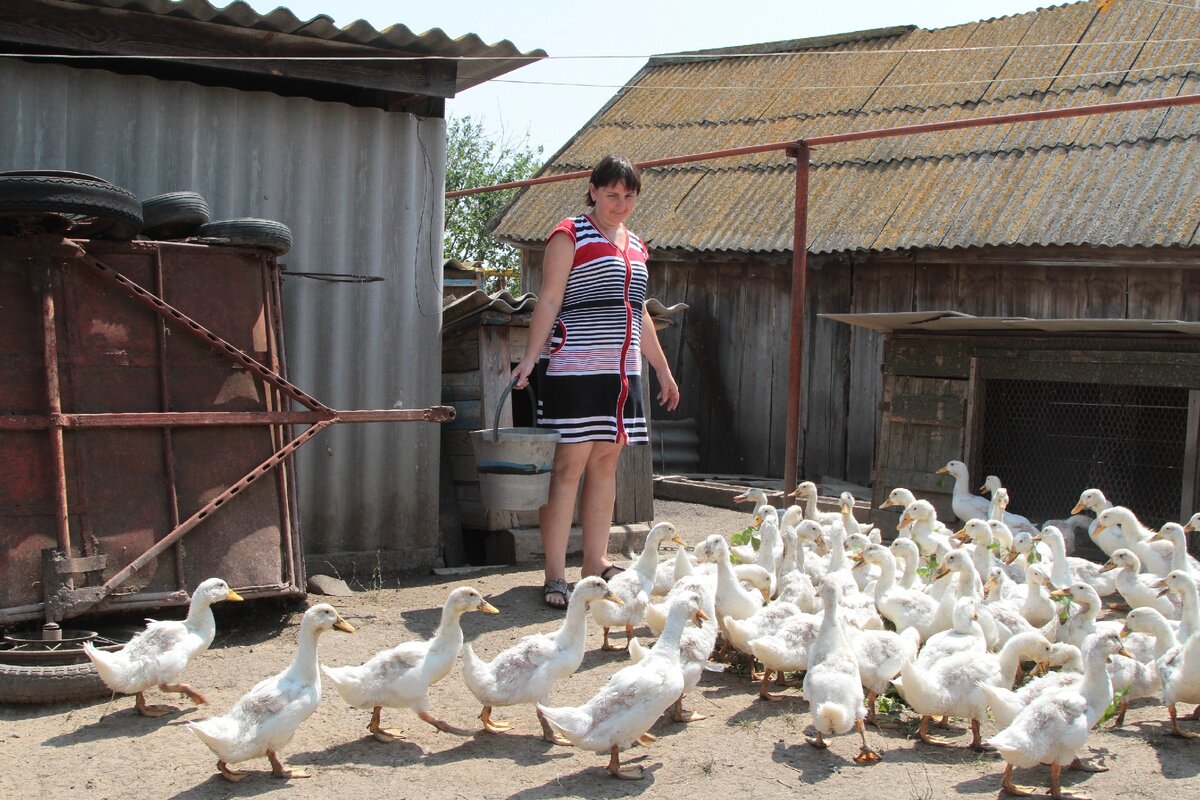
x: 494, y: 725
x: 381, y: 734
x: 866, y: 756
x: 1056, y: 790
x: 148, y: 710
x: 554, y: 518
x: 1175, y: 729
x: 230, y: 774
x: 444, y: 727
x: 614, y: 768
x: 679, y: 715
x: 944, y: 722
x: 926, y: 736
x: 183, y: 688
x: 606, y: 645
x: 279, y: 771
x: 976, y: 740
x: 549, y: 735
x: 870, y: 707
x: 763, y: 694
x: 1008, y: 787
x: 596, y: 505
x: 1120, y: 719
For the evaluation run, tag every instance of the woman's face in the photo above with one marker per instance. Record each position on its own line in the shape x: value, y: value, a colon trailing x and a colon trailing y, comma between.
x: 613, y: 203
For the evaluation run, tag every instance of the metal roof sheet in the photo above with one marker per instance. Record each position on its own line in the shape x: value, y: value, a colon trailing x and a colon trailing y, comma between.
x: 1128, y: 179
x: 485, y: 61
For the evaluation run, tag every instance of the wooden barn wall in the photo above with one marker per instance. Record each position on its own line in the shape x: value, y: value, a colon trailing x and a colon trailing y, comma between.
x: 729, y: 351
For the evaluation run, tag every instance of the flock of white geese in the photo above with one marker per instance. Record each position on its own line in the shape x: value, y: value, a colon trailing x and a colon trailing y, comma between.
x: 949, y: 618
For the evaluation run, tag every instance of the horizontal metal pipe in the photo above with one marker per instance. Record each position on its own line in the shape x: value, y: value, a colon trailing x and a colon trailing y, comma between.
x: 206, y: 418
x: 877, y: 133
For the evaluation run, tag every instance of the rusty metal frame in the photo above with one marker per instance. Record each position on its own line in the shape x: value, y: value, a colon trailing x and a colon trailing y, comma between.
x: 62, y: 597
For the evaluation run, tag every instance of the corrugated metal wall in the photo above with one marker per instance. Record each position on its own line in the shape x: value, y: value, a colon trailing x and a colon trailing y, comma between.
x: 362, y: 192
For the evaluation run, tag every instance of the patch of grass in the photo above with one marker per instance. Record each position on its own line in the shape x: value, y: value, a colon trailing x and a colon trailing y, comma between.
x: 748, y: 724
x: 708, y: 767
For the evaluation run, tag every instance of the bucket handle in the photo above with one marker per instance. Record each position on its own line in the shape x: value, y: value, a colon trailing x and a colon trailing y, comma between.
x: 500, y: 406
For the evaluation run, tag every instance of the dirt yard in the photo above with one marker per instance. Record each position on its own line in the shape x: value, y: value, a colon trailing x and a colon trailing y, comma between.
x: 745, y: 748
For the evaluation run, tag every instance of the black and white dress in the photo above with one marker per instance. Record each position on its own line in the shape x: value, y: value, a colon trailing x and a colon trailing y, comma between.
x: 590, y: 370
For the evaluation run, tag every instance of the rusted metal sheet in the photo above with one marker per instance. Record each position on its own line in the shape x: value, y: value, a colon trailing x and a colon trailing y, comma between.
x: 144, y: 394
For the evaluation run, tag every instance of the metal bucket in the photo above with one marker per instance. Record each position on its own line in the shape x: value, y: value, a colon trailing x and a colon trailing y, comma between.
x: 514, y: 464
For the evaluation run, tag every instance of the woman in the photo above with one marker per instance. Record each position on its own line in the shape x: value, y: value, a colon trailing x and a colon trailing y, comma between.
x: 587, y: 338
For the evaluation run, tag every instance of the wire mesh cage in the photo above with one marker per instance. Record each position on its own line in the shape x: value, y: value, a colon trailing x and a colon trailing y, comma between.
x: 1048, y: 441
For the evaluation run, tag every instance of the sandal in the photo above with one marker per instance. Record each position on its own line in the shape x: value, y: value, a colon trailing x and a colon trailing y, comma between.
x: 555, y: 589
x: 610, y: 572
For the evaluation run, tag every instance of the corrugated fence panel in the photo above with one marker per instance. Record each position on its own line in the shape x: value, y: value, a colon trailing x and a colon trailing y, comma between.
x: 362, y: 192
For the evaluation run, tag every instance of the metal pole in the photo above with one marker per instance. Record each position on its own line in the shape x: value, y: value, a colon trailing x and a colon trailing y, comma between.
x: 799, y: 151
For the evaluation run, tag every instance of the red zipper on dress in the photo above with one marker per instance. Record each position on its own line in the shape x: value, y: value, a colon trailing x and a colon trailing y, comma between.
x: 622, y: 436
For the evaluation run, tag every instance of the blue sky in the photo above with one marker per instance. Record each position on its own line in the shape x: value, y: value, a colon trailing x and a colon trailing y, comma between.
x: 596, y: 47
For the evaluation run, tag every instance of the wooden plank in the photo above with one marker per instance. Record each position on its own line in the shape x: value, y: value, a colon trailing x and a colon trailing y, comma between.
x: 1024, y: 292
x: 934, y: 287
x: 460, y: 352
x: 1105, y: 290
x: 918, y: 410
x: 978, y: 290
x: 780, y: 339
x: 1074, y: 372
x: 919, y: 356
x: 466, y: 417
x: 827, y: 372
x: 518, y: 340
x: 1155, y: 294
x: 494, y: 376
x: 456, y: 443
x: 975, y: 415
x: 883, y: 450
x: 463, y: 468
x: 460, y: 386
x: 62, y: 27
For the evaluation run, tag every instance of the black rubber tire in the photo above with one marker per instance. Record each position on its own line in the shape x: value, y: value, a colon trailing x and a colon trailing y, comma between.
x: 71, y: 204
x: 173, y: 215
x: 249, y: 232
x: 44, y: 685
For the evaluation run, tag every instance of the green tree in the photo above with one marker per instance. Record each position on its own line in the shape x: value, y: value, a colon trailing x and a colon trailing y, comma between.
x: 473, y: 159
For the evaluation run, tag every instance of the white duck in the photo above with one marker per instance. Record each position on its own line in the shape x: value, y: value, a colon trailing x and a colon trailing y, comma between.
x: 951, y: 684
x: 1036, y: 604
x: 978, y: 534
x: 634, y: 587
x: 1183, y: 585
x: 1083, y: 622
x: 846, y: 506
x: 903, y: 498
x: 1176, y: 534
x: 266, y: 718
x: 792, y: 574
x: 764, y: 622
x: 625, y: 708
x: 527, y: 671
x: 904, y: 608
x: 732, y: 600
x: 1131, y: 678
x: 968, y: 506
x: 1179, y: 670
x: 832, y: 685
x: 1094, y: 500
x: 1051, y: 731
x: 787, y: 649
x: 1155, y: 558
x: 1066, y: 569
x: 400, y: 676
x: 695, y: 644
x: 158, y: 655
x: 906, y: 552
x: 920, y: 518
x: 806, y: 493
x: 880, y: 655
x: 1138, y: 588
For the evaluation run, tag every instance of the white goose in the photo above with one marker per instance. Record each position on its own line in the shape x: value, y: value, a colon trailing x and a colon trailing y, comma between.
x: 695, y: 643
x: 904, y: 608
x: 1183, y: 585
x: 527, y: 671
x: 906, y: 552
x: 731, y: 598
x: 920, y: 517
x: 1131, y: 677
x: 832, y: 685
x: 968, y: 506
x: 1138, y: 588
x: 1066, y: 569
x: 1051, y: 731
x: 1176, y: 534
x: 625, y: 708
x: 1094, y: 500
x: 265, y: 719
x: 806, y: 493
x: 1083, y: 622
x: 1155, y: 558
x: 633, y: 587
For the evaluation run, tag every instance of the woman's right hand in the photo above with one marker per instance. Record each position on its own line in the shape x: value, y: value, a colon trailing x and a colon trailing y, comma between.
x: 522, y: 372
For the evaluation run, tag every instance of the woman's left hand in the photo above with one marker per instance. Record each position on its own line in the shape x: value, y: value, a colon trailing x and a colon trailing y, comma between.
x: 668, y: 392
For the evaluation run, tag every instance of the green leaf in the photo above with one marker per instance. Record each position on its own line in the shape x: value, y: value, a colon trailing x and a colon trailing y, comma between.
x: 994, y: 545
x: 1111, y: 711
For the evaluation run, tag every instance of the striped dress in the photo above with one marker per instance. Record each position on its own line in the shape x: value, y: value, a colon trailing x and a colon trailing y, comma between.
x: 590, y: 370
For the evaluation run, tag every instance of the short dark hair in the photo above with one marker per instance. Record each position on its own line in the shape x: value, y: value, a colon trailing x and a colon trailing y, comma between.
x: 611, y: 170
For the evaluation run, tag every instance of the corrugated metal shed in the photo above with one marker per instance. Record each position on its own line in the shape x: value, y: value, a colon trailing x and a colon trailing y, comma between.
x: 361, y: 187
x: 1077, y: 179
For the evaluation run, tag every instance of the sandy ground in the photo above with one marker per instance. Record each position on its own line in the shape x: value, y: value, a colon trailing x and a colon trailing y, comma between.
x: 103, y: 749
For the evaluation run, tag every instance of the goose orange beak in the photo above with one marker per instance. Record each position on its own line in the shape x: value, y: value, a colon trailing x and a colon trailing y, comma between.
x: 342, y: 625
x: 1078, y: 507
x: 237, y: 598
x: 487, y: 608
